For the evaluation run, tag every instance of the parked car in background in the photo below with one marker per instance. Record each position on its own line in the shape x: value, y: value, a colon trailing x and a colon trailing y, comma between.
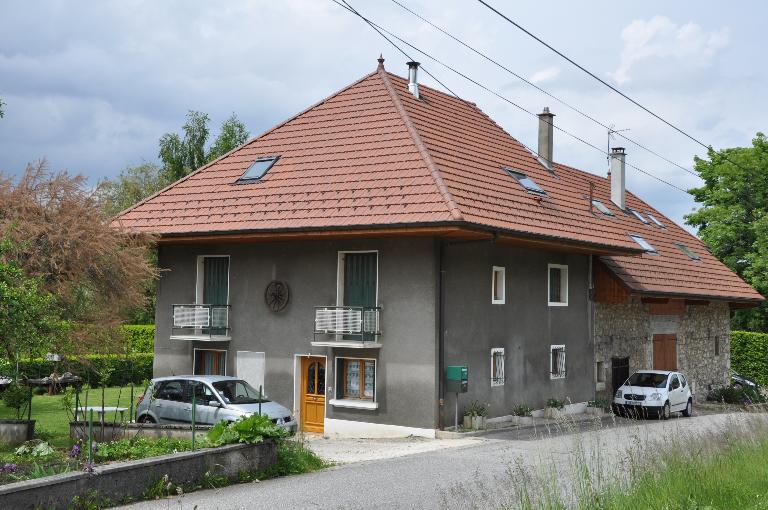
x: 739, y: 381
x: 654, y: 392
x: 168, y: 400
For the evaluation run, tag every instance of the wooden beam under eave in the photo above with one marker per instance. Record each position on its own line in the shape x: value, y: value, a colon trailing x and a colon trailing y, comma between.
x: 558, y: 245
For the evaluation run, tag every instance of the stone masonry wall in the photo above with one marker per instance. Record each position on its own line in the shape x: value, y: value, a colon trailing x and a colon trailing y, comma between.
x: 626, y: 330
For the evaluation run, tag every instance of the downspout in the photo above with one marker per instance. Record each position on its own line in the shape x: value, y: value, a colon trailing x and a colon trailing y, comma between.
x: 440, y: 336
x: 591, y: 320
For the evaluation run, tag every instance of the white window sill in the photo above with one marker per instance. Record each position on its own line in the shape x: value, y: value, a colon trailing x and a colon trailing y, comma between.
x: 354, y: 404
x: 557, y: 303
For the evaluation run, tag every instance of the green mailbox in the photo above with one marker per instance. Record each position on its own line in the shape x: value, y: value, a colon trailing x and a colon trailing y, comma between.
x: 456, y: 377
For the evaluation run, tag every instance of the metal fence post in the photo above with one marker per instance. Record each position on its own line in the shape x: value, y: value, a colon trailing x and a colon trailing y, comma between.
x: 90, y: 437
x: 260, y: 398
x: 194, y: 409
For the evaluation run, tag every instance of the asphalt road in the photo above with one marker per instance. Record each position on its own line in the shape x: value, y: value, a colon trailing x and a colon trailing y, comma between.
x: 474, y: 476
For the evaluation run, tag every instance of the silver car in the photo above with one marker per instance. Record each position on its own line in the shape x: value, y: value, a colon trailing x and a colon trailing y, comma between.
x: 168, y: 400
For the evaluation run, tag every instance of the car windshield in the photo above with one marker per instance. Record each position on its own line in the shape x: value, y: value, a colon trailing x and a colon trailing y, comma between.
x: 647, y: 380
x: 238, y: 392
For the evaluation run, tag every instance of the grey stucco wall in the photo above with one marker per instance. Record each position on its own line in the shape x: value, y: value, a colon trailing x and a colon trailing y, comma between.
x: 524, y: 325
x: 406, y: 384
x: 626, y: 330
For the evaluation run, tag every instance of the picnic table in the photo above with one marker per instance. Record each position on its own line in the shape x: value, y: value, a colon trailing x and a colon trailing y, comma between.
x: 101, y: 411
x: 55, y: 381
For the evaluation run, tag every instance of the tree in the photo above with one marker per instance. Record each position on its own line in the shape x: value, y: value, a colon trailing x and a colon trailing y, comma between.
x: 233, y: 134
x: 182, y: 156
x: 2, y: 104
x: 133, y: 185
x: 61, y: 236
x: 733, y: 217
x: 29, y: 321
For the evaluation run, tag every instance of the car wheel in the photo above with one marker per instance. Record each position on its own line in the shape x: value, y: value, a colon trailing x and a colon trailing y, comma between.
x: 145, y: 418
x: 688, y: 412
x: 665, y: 411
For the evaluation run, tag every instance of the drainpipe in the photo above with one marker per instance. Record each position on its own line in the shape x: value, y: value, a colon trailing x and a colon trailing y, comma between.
x: 441, y: 336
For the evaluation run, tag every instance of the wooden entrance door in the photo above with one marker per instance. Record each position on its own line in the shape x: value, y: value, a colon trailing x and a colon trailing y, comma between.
x: 665, y: 352
x: 312, y: 394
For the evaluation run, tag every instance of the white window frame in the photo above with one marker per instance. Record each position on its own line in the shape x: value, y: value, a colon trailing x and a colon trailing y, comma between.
x: 194, y: 357
x: 503, y: 271
x: 200, y: 280
x: 558, y: 375
x: 563, y: 284
x: 499, y: 381
x: 353, y: 402
x: 340, y: 275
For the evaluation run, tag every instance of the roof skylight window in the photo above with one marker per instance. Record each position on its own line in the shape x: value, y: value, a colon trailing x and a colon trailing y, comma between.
x: 643, y: 243
x: 638, y: 216
x: 601, y: 207
x: 525, y: 181
x: 683, y: 248
x: 653, y: 219
x: 257, y: 170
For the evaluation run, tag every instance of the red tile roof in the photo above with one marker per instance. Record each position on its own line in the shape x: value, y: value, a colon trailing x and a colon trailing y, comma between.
x: 373, y: 155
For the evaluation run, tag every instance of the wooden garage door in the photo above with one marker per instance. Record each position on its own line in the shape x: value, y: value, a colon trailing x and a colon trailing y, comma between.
x: 665, y: 352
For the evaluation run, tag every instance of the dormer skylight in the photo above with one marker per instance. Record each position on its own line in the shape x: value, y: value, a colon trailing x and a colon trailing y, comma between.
x: 525, y: 181
x: 683, y: 248
x: 601, y: 207
x: 643, y: 243
x: 653, y: 219
x: 638, y: 216
x: 257, y: 169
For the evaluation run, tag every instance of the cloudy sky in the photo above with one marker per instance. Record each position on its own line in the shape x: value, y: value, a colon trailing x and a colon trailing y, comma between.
x: 92, y: 85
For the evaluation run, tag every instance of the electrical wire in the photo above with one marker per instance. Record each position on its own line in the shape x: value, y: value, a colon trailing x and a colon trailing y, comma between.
x: 381, y: 31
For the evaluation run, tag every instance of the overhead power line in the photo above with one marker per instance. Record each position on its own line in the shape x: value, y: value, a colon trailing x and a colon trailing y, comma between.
x: 540, y: 89
x: 382, y: 31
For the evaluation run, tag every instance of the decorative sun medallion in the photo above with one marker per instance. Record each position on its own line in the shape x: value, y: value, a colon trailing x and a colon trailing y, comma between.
x: 276, y: 296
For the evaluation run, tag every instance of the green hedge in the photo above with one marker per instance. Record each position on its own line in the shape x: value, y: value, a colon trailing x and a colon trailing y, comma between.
x: 141, y: 338
x: 121, y: 369
x: 749, y: 355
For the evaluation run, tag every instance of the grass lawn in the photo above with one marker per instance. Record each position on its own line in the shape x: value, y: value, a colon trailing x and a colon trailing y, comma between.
x: 52, y: 420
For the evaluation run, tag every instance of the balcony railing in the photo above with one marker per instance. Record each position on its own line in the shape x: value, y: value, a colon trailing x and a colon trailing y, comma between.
x: 345, y: 324
x: 200, y: 322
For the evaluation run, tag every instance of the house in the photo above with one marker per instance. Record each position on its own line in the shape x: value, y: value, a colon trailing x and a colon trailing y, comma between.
x: 346, y: 257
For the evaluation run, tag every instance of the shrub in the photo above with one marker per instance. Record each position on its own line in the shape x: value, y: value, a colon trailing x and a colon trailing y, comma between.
x: 600, y: 403
x: 15, y: 397
x: 476, y: 409
x: 522, y: 410
x: 248, y: 429
x: 140, y: 338
x: 140, y: 447
x: 733, y: 395
x: 555, y: 403
x: 293, y: 458
x: 122, y: 369
x: 749, y: 355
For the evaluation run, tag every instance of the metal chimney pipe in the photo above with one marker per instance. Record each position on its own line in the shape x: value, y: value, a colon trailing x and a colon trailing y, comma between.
x: 546, y: 121
x: 618, y: 177
x: 413, y: 78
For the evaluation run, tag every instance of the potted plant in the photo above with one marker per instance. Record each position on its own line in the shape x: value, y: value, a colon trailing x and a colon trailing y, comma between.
x: 522, y: 414
x: 475, y: 416
x: 13, y: 432
x: 554, y: 409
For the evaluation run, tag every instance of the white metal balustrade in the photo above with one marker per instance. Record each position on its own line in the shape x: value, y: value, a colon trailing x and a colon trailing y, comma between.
x: 200, y: 322
x: 355, y: 323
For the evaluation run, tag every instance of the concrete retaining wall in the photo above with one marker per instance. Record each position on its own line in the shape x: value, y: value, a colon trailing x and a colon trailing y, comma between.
x: 15, y: 432
x: 120, y: 481
x: 117, y: 431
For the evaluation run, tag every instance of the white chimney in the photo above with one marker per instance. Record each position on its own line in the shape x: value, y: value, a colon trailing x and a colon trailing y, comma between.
x: 546, y: 121
x: 617, y: 176
x: 413, y: 78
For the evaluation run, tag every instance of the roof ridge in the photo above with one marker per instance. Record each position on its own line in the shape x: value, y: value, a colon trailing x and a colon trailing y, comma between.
x: 116, y: 218
x: 423, y: 151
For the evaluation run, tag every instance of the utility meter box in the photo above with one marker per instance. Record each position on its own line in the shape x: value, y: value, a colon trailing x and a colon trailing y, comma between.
x: 456, y: 378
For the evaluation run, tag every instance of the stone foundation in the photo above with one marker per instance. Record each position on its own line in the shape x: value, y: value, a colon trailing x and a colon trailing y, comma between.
x: 703, y: 341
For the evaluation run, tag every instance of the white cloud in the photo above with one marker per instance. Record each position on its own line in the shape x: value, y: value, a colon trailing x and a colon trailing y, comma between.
x: 545, y: 75
x: 661, y: 38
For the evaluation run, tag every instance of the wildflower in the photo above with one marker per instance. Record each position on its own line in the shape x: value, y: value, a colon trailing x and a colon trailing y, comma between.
x: 9, y: 468
x: 74, y: 452
x: 88, y: 467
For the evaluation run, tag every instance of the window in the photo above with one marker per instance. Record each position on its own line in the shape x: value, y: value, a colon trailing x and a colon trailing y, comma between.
x: 600, y: 369
x: 356, y: 378
x: 210, y: 362
x: 498, y: 286
x: 497, y: 366
x: 557, y: 361
x: 643, y: 243
x: 683, y: 248
x: 717, y: 345
x: 638, y: 216
x: 525, y: 181
x: 653, y: 219
x: 257, y: 170
x: 558, y: 285
x: 601, y: 207
x: 171, y: 390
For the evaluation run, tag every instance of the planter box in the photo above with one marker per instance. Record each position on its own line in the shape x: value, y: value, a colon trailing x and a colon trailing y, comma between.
x: 117, y: 431
x: 119, y: 481
x: 475, y: 422
x: 14, y: 432
x: 553, y: 413
x: 522, y: 420
x: 595, y: 411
